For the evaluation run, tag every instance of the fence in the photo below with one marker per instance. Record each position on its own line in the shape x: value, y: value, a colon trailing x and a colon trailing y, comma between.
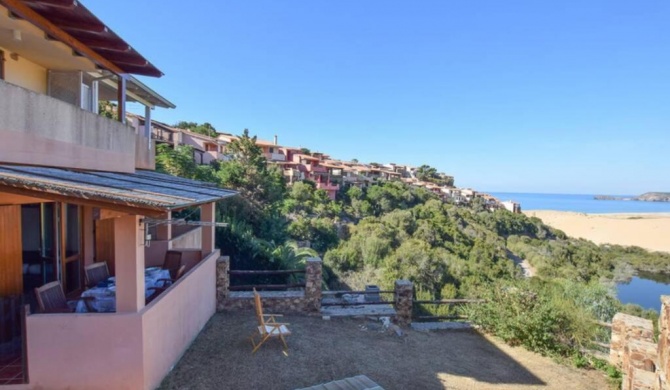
x: 419, y: 309
x: 266, y: 276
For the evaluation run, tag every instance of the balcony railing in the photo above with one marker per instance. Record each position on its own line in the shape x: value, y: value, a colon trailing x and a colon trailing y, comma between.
x: 41, y: 130
x: 275, y: 156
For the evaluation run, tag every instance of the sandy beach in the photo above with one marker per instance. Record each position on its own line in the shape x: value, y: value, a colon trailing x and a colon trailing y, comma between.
x: 650, y: 231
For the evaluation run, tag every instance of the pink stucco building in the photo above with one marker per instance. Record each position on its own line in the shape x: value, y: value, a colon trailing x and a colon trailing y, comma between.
x: 77, y: 188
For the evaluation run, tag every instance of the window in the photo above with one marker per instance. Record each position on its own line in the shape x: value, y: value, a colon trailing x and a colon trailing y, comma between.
x: 2, y: 65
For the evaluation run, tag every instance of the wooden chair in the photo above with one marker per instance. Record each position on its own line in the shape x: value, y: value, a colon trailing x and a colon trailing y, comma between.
x: 158, y: 290
x: 51, y: 299
x: 96, y: 273
x: 172, y: 263
x: 268, y: 327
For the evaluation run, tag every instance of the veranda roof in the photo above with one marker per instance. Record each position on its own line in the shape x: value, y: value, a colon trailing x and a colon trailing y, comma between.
x: 144, y: 192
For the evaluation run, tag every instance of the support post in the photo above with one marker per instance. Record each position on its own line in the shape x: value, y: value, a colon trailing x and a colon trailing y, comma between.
x: 404, y: 300
x: 147, y: 124
x: 207, y: 214
x: 222, y: 281
x: 313, y: 280
x: 164, y: 230
x: 121, y: 97
x: 129, y: 263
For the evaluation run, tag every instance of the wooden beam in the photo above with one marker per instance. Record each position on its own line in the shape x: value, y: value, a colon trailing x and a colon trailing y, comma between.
x: 76, y: 25
x: 54, y: 3
x: 104, y: 44
x: 19, y: 8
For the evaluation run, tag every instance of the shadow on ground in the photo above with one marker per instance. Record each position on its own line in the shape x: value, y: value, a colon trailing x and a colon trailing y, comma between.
x: 322, y: 351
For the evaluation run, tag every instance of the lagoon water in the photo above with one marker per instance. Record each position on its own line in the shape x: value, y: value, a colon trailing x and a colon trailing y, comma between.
x: 581, y: 203
x: 644, y: 289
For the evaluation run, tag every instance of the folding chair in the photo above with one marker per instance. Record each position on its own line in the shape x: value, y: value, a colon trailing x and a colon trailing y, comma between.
x: 268, y: 327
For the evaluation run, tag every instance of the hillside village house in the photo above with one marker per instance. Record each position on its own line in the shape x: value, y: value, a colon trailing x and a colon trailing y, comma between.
x: 77, y: 188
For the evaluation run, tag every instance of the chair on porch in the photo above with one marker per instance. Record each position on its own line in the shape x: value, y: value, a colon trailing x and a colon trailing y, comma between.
x: 158, y: 290
x: 51, y: 299
x: 268, y: 327
x: 96, y: 273
x: 172, y: 263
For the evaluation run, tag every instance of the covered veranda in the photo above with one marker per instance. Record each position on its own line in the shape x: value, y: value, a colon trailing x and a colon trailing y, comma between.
x: 135, y: 346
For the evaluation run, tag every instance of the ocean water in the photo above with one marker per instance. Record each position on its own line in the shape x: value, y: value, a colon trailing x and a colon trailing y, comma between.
x: 581, y: 203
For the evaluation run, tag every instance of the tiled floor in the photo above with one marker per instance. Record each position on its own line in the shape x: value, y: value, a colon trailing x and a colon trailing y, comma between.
x: 11, y: 370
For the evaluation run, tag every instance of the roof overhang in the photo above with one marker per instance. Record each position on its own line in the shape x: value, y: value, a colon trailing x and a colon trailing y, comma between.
x: 73, y: 24
x: 143, y: 192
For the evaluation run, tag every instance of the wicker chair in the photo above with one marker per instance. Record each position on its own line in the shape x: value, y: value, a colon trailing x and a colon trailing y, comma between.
x: 172, y: 263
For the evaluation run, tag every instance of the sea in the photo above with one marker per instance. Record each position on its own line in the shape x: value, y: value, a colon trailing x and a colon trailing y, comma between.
x: 581, y: 203
x: 644, y: 289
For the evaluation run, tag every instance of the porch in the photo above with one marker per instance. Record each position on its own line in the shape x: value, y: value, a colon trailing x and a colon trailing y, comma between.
x: 134, y: 346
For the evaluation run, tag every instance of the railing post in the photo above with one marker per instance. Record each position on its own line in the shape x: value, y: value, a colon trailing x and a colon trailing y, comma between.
x: 222, y: 281
x: 313, y: 280
x: 404, y: 297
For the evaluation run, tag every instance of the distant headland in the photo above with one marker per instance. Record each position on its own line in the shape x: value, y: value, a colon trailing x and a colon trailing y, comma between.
x: 646, y: 197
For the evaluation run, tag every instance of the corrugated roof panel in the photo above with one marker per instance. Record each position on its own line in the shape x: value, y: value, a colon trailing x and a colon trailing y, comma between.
x: 143, y: 189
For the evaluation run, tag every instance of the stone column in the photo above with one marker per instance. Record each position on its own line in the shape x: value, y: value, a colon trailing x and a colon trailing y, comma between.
x: 222, y: 281
x: 129, y: 263
x: 663, y: 368
x: 404, y: 297
x: 313, y: 281
x: 625, y: 328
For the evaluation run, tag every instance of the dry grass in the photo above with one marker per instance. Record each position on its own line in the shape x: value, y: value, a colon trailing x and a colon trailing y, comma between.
x: 321, y: 351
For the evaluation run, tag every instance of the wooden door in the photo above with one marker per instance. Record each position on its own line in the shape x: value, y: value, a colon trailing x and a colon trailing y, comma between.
x: 104, y: 242
x: 11, y: 256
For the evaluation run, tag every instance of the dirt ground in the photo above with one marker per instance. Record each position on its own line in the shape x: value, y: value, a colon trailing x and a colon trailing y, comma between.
x: 321, y: 351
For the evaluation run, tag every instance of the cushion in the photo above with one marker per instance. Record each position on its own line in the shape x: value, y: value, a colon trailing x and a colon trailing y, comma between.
x: 273, y: 330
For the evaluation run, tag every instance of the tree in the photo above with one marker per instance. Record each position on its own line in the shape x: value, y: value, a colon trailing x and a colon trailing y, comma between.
x: 204, y: 128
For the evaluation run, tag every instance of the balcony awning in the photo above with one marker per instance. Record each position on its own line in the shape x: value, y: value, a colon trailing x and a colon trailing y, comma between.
x: 143, y: 192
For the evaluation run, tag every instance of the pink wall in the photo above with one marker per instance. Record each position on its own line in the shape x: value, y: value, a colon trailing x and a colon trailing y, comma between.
x: 85, y: 351
x: 194, y: 294
x: 121, y: 350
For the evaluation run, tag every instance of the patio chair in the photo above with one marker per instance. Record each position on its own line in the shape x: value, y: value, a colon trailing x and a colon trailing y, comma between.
x: 172, y: 263
x: 268, y: 327
x: 51, y: 299
x: 158, y: 290
x: 96, y: 273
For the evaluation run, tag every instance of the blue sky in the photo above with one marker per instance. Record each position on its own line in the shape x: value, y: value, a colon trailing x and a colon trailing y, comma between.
x: 526, y: 96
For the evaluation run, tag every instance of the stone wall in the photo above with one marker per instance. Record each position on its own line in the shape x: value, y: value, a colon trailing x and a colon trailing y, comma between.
x: 305, y: 301
x: 644, y: 363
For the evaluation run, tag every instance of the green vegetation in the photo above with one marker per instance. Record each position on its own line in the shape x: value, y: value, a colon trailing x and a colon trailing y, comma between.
x: 428, y: 173
x: 200, y: 128
x: 390, y: 230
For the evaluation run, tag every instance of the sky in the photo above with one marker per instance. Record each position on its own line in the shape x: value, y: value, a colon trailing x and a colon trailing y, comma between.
x: 518, y: 96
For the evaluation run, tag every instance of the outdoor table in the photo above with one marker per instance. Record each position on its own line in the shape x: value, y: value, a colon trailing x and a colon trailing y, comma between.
x: 105, y: 297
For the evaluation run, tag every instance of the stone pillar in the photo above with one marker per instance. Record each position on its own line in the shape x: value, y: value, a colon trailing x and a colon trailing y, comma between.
x: 129, y: 263
x: 663, y: 367
x: 624, y: 328
x: 222, y: 281
x: 313, y: 281
x: 404, y: 298
x: 207, y: 214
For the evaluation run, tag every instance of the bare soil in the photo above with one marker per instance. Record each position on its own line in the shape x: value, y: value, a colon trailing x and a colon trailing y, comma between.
x: 326, y: 350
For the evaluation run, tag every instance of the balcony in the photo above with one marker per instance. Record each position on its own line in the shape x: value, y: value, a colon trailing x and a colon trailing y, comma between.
x: 327, y: 187
x: 275, y: 156
x: 37, y: 129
